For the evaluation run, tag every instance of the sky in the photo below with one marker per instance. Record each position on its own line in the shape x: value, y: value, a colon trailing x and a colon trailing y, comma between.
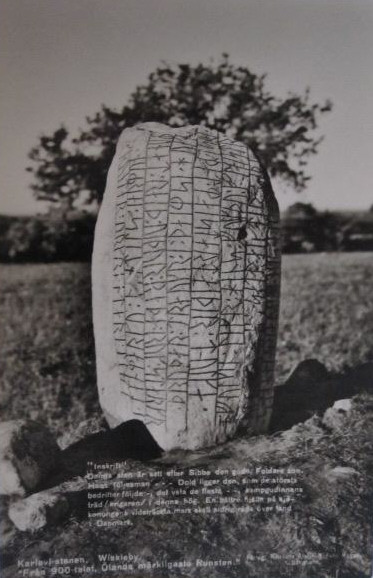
x: 61, y: 59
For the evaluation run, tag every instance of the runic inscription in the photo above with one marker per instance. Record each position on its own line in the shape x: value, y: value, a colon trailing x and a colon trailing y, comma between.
x: 186, y: 286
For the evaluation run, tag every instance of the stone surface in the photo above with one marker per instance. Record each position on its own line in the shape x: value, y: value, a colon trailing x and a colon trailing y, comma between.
x: 186, y: 270
x: 36, y: 511
x: 344, y: 405
x: 340, y: 473
x: 337, y: 510
x: 84, y: 429
x: 28, y: 454
x: 50, y: 506
x: 7, y: 529
x: 335, y: 417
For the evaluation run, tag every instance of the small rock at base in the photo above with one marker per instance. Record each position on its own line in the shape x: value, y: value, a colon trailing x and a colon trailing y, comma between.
x: 38, y: 510
x: 343, y: 405
x: 335, y: 417
x: 7, y: 529
x: 340, y: 473
x: 28, y: 454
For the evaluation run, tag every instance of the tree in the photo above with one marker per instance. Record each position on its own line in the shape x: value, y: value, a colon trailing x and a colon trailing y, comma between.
x: 63, y: 171
x: 232, y: 99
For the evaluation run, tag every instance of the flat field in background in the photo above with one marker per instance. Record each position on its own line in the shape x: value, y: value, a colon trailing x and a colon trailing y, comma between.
x: 47, y: 352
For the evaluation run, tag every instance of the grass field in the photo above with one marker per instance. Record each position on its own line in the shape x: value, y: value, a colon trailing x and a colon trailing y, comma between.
x: 47, y: 365
x: 326, y: 310
x: 47, y: 354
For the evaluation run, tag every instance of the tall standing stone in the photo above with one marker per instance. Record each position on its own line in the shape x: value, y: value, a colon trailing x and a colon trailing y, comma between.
x: 186, y: 274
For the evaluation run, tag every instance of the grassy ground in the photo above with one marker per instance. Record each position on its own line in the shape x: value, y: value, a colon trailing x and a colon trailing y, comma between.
x: 326, y: 310
x: 47, y: 363
x: 47, y: 356
x: 47, y: 372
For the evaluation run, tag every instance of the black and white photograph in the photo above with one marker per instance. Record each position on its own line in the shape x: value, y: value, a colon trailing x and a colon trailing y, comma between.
x: 186, y: 297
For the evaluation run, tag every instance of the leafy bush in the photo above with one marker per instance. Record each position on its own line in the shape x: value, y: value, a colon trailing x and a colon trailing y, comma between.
x: 44, y: 239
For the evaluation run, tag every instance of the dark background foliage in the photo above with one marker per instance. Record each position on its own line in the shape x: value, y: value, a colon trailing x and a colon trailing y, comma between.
x: 282, y: 132
x: 67, y: 235
x: 69, y: 171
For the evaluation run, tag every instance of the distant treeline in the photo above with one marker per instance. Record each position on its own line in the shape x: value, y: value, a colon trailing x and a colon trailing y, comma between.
x: 306, y: 230
x: 68, y: 235
x: 46, y: 238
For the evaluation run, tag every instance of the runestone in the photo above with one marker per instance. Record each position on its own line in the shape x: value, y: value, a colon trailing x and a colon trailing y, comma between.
x: 186, y: 280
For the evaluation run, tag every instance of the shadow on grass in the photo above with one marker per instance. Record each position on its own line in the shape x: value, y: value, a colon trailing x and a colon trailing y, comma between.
x: 310, y: 389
